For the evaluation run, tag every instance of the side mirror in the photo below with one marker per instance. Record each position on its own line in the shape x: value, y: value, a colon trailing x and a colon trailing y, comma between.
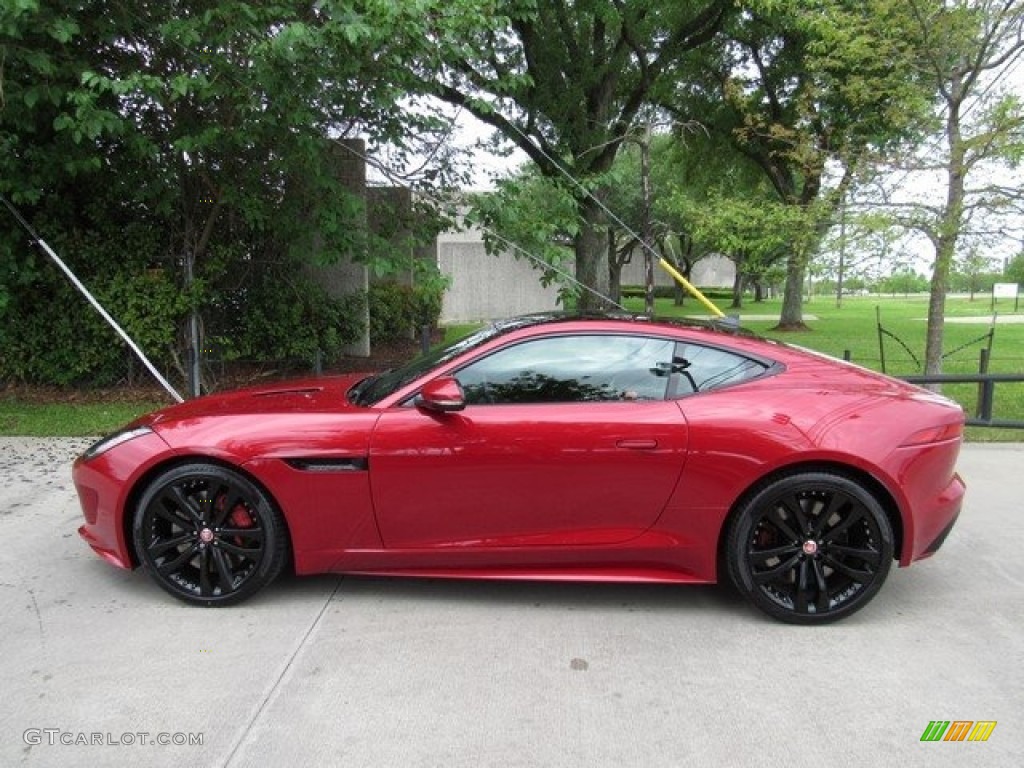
x: 443, y: 395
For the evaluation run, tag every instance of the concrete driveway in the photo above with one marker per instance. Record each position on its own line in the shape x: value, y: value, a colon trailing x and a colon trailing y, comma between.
x: 99, y: 667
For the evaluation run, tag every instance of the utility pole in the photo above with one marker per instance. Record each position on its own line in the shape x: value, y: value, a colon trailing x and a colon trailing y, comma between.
x: 842, y: 250
x: 194, y: 356
x: 646, y: 233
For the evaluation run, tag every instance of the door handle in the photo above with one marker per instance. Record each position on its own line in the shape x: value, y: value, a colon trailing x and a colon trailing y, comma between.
x: 638, y: 445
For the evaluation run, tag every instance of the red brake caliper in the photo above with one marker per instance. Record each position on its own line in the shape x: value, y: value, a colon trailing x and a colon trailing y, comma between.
x: 240, y: 518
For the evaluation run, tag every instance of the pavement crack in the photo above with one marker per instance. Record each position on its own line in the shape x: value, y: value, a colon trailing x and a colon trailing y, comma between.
x: 39, y: 618
x: 284, y: 671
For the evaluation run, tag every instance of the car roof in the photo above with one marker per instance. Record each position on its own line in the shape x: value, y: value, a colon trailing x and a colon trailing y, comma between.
x: 724, y: 324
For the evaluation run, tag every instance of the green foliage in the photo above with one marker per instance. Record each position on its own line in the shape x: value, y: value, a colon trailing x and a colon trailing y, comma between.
x: 283, y: 318
x: 669, y: 292
x: 397, y: 311
x: 49, y: 334
x: 756, y: 232
x: 208, y: 127
x: 969, y: 49
x: 565, y: 82
x: 800, y: 88
x: 1014, y: 272
x: 905, y: 281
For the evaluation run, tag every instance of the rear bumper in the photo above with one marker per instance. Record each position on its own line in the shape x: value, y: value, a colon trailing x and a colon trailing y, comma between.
x: 935, y: 545
x: 933, y: 523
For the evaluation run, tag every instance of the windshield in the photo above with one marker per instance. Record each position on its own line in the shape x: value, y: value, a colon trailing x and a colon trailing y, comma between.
x: 375, y: 388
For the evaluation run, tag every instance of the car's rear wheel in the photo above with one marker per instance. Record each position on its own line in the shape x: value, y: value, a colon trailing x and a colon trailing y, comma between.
x: 208, y: 535
x: 810, y: 548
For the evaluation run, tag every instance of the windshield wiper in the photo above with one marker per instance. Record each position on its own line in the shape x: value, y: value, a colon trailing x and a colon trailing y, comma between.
x: 356, y: 390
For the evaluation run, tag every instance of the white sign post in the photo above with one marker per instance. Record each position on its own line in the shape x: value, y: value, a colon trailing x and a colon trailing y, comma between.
x: 1006, y: 291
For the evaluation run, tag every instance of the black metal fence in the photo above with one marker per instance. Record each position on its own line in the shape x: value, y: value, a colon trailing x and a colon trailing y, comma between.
x: 986, y: 394
x: 982, y: 413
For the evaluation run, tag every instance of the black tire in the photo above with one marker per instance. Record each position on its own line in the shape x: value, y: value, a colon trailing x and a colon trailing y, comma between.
x: 208, y: 535
x: 810, y: 548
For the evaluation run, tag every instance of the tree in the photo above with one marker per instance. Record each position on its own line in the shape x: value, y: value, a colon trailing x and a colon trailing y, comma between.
x: 965, y: 47
x: 753, y: 233
x: 720, y: 202
x: 1014, y: 271
x: 804, y: 90
x: 212, y: 123
x: 565, y: 81
x: 671, y: 170
x: 641, y: 183
x: 537, y: 218
x: 972, y: 271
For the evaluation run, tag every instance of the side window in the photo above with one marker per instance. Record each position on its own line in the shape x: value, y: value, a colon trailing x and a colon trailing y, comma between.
x: 568, y: 369
x: 702, y: 368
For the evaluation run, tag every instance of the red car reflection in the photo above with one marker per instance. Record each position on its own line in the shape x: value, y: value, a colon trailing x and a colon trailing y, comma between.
x: 544, y: 447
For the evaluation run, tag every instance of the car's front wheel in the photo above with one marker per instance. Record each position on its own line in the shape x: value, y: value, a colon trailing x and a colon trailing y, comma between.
x: 810, y: 548
x: 208, y: 535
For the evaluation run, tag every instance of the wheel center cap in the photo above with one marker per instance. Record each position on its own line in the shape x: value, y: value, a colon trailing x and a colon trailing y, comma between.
x: 206, y: 536
x: 810, y: 547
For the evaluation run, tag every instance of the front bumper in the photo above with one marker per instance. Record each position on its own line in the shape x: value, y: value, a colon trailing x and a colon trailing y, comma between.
x: 104, y: 486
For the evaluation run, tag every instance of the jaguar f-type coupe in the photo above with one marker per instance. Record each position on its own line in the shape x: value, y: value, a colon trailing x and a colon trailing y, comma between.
x: 544, y: 447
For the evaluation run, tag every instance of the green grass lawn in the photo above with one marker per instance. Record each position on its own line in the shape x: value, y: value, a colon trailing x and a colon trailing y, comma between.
x: 852, y: 327
x: 18, y: 417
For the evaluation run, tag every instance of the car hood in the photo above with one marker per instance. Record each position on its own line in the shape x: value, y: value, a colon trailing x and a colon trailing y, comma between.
x: 307, y: 418
x: 325, y: 394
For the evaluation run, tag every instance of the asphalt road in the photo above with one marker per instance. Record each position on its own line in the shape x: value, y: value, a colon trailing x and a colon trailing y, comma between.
x: 377, y: 672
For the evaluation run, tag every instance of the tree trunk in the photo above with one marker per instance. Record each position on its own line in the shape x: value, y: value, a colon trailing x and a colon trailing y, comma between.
x: 617, y: 259
x: 684, y: 264
x: 792, y: 317
x: 592, y: 259
x: 678, y: 295
x: 937, y: 312
x: 737, y: 290
x: 945, y: 242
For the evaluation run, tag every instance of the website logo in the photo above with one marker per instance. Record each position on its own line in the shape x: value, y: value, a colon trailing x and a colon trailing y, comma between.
x: 958, y: 730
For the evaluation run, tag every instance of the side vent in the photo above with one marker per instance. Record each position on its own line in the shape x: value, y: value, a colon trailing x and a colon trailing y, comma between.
x: 355, y: 464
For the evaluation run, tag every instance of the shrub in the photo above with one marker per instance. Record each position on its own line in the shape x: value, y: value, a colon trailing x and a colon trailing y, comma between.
x: 49, y: 334
x: 282, y: 319
x: 397, y: 311
x: 668, y: 292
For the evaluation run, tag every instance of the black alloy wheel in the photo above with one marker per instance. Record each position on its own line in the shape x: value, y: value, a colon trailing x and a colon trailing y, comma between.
x: 810, y: 548
x: 208, y: 535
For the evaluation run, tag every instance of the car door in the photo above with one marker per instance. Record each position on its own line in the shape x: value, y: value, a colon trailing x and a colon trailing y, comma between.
x: 565, y: 440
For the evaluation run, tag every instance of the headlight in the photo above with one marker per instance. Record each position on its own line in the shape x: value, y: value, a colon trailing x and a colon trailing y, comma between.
x: 104, y: 444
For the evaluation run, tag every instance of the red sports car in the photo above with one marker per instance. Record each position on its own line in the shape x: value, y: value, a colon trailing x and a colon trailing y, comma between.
x: 544, y: 447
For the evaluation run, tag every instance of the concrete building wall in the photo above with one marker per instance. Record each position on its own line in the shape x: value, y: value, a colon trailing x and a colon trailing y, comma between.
x: 714, y: 272
x: 485, y: 286
x: 709, y: 272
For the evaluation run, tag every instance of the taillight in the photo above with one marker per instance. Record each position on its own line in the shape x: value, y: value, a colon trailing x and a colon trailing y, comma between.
x: 938, y: 434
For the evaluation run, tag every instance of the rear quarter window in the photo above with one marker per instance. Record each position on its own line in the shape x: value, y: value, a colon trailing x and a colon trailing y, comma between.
x: 702, y: 369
